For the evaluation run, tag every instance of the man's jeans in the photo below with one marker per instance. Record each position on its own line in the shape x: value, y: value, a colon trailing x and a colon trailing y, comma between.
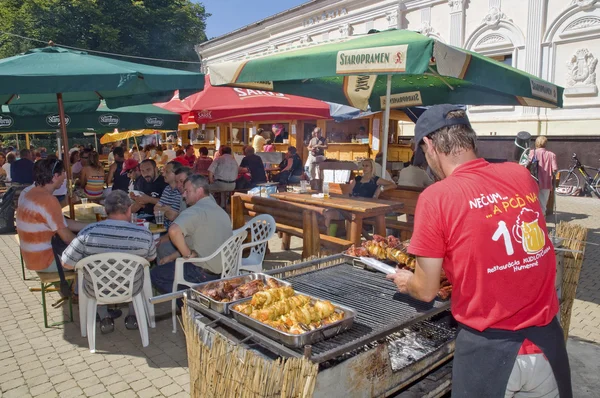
x: 162, y: 276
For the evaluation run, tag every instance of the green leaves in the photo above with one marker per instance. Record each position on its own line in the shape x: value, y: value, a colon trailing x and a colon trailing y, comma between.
x: 166, y: 29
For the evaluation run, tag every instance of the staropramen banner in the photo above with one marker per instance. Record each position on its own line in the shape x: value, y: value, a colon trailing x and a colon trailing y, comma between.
x: 372, y: 60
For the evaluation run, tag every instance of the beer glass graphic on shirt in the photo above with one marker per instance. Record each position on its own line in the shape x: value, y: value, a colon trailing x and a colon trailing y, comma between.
x: 528, y: 232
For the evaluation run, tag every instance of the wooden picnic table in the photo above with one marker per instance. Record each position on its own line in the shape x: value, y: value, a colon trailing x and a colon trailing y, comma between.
x: 354, y: 209
x: 90, y: 217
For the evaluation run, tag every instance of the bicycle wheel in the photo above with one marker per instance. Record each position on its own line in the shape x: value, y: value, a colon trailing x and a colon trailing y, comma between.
x: 568, y: 183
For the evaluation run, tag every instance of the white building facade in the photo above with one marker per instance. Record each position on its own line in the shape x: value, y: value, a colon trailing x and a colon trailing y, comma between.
x: 556, y: 40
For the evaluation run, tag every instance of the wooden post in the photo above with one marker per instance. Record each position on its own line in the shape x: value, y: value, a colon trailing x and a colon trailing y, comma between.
x: 27, y: 145
x: 311, y: 241
x: 66, y: 161
x: 237, y: 212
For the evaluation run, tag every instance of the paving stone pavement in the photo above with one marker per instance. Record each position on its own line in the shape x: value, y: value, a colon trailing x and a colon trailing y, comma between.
x: 585, y: 320
x: 56, y: 362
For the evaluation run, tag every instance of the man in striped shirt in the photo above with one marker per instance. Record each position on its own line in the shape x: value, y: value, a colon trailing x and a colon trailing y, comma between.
x: 116, y: 234
x: 40, y: 217
x: 170, y: 201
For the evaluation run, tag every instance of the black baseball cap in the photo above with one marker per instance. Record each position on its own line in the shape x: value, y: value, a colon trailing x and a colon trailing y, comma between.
x: 434, y: 119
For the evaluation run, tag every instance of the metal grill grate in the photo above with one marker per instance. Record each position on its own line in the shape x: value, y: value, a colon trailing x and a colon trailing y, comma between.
x: 381, y: 309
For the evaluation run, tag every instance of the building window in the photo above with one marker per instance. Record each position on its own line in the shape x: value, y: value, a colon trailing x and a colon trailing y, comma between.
x: 505, y: 59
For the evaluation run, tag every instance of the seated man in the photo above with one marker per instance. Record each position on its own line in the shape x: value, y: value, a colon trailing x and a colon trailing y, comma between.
x: 253, y: 164
x: 22, y: 170
x: 116, y: 234
x: 170, y: 201
x: 39, y: 217
x: 203, y: 162
x: 152, y: 185
x: 291, y: 168
x: 414, y: 176
x: 197, y: 232
x: 223, y: 171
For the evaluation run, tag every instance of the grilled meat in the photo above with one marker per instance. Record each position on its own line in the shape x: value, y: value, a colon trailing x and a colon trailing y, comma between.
x: 227, y: 291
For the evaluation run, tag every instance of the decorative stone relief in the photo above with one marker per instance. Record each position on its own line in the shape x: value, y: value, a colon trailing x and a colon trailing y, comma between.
x: 581, y: 75
x: 426, y: 29
x: 305, y: 39
x: 345, y: 30
x: 583, y: 23
x: 494, y: 16
x: 392, y: 18
x: 493, y: 38
x: 583, y: 3
x: 456, y: 5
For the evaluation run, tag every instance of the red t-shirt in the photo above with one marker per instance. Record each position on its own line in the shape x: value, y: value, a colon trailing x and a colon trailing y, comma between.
x: 486, y: 222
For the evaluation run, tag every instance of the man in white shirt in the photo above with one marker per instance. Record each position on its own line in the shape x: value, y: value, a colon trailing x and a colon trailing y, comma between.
x: 170, y: 152
x: 223, y: 172
x: 413, y: 176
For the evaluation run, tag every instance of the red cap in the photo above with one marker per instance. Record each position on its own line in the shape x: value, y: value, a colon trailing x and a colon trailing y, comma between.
x: 129, y: 164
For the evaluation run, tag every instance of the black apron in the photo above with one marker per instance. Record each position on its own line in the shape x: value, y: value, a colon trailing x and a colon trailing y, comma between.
x: 120, y: 182
x: 483, y: 361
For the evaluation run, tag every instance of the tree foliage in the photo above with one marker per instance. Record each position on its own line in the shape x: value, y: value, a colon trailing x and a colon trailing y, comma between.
x: 166, y: 29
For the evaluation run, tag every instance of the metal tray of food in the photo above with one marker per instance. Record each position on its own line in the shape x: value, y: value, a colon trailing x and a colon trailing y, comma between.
x: 198, y: 292
x: 299, y: 340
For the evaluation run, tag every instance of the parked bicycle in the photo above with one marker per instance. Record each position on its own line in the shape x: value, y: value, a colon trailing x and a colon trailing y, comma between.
x: 570, y: 180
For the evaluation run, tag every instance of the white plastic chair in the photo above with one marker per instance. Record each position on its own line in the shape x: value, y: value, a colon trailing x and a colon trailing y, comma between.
x: 109, y: 278
x: 230, y: 254
x: 262, y: 228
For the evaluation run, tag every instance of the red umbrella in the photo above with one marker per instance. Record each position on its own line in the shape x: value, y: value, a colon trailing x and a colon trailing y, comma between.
x: 227, y: 104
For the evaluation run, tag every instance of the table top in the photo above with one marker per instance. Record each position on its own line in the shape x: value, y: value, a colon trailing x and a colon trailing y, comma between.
x: 365, y: 206
x: 80, y: 212
x: 90, y: 217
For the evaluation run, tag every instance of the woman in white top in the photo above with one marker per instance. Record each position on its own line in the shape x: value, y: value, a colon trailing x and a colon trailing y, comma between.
x: 10, y: 159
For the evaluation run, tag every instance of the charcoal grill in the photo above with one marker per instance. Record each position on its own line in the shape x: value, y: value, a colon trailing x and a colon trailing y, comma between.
x: 357, y: 362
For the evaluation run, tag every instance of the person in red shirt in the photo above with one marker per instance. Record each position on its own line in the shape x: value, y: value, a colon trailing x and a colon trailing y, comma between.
x: 190, y: 155
x: 180, y: 158
x: 483, y: 225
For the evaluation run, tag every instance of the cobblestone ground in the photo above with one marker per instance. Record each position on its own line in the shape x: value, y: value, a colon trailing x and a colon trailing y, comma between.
x: 35, y: 361
x: 585, y: 320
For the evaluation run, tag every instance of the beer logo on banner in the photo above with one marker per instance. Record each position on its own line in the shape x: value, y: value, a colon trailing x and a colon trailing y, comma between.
x: 358, y: 89
x: 54, y: 120
x: 544, y: 90
x: 154, y: 121
x: 6, y: 121
x: 109, y: 120
x: 205, y: 114
x: 403, y: 100
x: 372, y: 60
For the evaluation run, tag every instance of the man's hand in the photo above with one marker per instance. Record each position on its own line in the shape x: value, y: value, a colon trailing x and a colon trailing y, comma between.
x: 142, y: 199
x: 401, y: 279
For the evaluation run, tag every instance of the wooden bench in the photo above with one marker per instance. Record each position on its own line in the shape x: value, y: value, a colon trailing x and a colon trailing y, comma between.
x: 47, y: 284
x: 310, y: 223
x: 408, y: 196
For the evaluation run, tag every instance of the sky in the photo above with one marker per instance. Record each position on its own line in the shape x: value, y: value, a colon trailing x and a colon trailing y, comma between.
x: 229, y: 15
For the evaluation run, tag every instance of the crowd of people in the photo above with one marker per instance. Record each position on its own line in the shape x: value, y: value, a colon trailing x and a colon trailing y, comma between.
x: 509, y: 342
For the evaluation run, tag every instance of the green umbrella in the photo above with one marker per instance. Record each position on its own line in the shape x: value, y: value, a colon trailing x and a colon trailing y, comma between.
x: 102, y: 120
x: 54, y: 79
x: 398, y: 67
x: 30, y: 82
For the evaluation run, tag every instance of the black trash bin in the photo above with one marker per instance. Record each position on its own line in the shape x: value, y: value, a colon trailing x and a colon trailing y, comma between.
x: 7, y: 211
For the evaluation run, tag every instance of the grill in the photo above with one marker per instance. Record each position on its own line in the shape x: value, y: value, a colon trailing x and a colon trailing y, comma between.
x: 382, y: 311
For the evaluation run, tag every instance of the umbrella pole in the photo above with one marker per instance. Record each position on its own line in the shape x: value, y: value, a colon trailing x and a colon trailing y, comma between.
x: 66, y: 160
x: 386, y: 125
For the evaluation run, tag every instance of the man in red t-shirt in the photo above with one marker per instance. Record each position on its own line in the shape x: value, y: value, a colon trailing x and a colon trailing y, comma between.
x: 483, y: 225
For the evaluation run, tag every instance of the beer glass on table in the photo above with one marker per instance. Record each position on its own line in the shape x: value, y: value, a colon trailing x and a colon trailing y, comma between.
x: 159, y: 217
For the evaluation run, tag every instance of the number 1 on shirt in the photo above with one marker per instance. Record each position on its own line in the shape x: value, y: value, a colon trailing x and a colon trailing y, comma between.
x: 502, y: 231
